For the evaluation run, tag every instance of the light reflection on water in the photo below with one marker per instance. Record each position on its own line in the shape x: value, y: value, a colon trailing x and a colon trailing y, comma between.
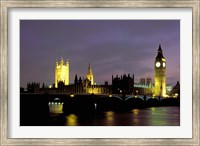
x: 109, y: 118
x: 71, y: 120
x: 135, y: 118
x: 154, y: 116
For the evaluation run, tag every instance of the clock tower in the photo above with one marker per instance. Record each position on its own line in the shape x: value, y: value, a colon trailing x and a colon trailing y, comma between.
x: 160, y: 74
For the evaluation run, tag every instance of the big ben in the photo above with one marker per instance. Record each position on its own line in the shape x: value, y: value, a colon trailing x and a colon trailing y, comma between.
x: 160, y: 74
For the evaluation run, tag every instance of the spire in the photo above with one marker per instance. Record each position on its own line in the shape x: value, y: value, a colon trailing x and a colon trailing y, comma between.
x: 62, y: 53
x: 177, y: 84
x: 159, y: 49
x: 160, y: 55
x: 76, y: 79
x: 61, y: 61
x: 80, y: 80
x: 67, y: 62
x: 90, y: 69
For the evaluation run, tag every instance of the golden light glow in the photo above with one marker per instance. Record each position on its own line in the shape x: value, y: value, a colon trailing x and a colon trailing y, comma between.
x: 71, y: 120
x: 109, y: 115
x: 110, y: 95
x: 62, y: 73
x: 55, y: 107
x: 153, y: 109
x: 135, y: 111
x: 71, y: 95
x: 176, y: 95
x: 93, y: 90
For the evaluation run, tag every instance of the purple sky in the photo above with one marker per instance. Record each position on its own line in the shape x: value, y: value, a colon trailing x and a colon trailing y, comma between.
x: 112, y: 47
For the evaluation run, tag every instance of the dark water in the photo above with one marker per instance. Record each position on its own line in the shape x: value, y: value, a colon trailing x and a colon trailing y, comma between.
x: 154, y: 116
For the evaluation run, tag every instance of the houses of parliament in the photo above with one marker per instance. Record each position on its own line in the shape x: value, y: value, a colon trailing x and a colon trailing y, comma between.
x: 121, y: 84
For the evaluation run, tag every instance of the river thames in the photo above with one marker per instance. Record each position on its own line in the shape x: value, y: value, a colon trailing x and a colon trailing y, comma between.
x: 153, y: 116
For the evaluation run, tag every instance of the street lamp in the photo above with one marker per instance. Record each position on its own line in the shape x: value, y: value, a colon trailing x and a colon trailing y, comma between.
x: 72, y: 95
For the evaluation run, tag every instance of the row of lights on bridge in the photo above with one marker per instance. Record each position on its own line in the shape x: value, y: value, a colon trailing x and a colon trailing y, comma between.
x: 72, y: 95
x: 55, y: 103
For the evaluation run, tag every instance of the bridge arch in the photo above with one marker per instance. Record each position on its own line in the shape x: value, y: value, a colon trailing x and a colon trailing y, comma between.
x: 106, y: 103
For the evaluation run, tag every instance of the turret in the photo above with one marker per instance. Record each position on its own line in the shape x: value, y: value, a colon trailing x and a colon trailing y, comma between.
x: 67, y: 62
x: 62, y: 72
x: 61, y: 61
x: 76, y: 80
x: 80, y: 80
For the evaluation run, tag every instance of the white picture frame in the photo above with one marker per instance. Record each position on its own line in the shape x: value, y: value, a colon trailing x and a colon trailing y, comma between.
x: 98, y: 141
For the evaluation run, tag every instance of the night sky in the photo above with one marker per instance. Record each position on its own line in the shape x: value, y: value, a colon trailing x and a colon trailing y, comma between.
x: 111, y: 46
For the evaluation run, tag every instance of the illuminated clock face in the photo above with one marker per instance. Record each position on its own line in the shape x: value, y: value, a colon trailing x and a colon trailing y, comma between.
x: 157, y: 64
x: 163, y: 64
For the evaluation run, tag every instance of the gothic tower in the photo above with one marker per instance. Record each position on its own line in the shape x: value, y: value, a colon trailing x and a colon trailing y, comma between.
x: 62, y: 72
x: 160, y: 74
x: 90, y: 75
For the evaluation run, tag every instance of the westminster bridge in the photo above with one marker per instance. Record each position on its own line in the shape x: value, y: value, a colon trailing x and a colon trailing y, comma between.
x: 42, y: 105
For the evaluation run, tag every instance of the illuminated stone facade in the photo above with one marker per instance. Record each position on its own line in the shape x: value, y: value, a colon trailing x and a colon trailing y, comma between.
x: 160, y: 74
x: 120, y: 85
x: 62, y: 72
x: 91, y: 87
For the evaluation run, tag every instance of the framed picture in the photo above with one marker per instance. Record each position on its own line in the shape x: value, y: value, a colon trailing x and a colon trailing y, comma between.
x: 30, y: 32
